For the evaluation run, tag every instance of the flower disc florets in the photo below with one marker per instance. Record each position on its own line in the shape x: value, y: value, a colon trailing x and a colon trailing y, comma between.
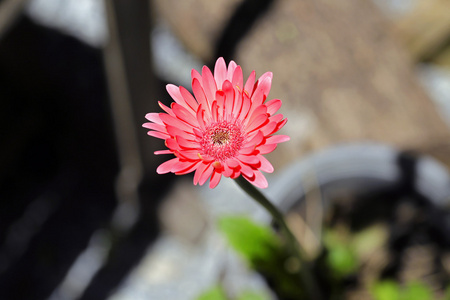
x: 222, y: 140
x: 225, y: 128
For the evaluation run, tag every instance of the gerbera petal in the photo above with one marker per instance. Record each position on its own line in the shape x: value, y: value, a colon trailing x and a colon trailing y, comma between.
x: 209, y: 84
x: 220, y: 72
x: 196, y: 75
x: 181, y: 166
x: 232, y: 163
x: 174, y: 92
x: 165, y: 167
x: 250, y: 83
x: 186, y: 143
x: 201, y: 117
x: 275, y: 139
x: 158, y: 135
x: 246, y: 170
x: 190, y: 169
x: 166, y: 109
x: 269, y: 128
x: 174, y: 131
x: 257, y: 122
x: 183, y: 114
x: 205, y: 175
x: 262, y: 90
x: 199, y: 94
x: 266, y: 166
x: 174, y: 121
x: 256, y: 140
x: 264, y: 149
x: 229, y: 98
x: 237, y: 79
x: 248, y: 159
x: 159, y: 152
x: 215, y: 179
x: 231, y: 67
x: 190, y: 100
x: 260, y: 110
x: 227, y: 171
x: 201, y: 168
x: 154, y: 117
x: 259, y: 180
x: 273, y: 106
x: 155, y: 126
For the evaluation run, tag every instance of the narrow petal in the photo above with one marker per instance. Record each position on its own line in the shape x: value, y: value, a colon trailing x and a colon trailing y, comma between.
x: 166, y: 109
x: 256, y: 140
x: 249, y: 160
x: 183, y: 114
x: 220, y: 72
x: 209, y: 84
x: 190, y: 100
x: 246, y: 170
x: 186, y: 143
x: 273, y: 106
x: 156, y: 127
x: 250, y: 83
x: 165, y: 167
x: 227, y: 171
x: 260, y: 110
x: 201, y: 168
x: 181, y: 166
x: 174, y: 131
x: 174, y: 92
x: 275, y: 139
x: 259, y: 180
x: 174, y: 121
x: 269, y: 128
x: 262, y: 90
x: 201, y: 117
x: 237, y: 79
x: 229, y: 98
x: 154, y: 117
x: 159, y: 152
x: 205, y: 175
x: 158, y: 135
x: 266, y: 166
x: 196, y: 75
x: 190, y: 169
x: 231, y: 67
x: 232, y: 163
x: 264, y: 149
x: 257, y: 123
x: 199, y: 93
x: 215, y: 179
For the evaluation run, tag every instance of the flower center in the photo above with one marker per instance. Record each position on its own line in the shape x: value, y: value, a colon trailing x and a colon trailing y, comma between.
x: 220, y: 137
x: 222, y: 140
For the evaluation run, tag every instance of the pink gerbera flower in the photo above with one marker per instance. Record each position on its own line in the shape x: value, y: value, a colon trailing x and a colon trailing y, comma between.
x: 224, y: 129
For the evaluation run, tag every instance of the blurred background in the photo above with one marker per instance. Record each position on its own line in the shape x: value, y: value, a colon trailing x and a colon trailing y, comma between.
x: 83, y: 214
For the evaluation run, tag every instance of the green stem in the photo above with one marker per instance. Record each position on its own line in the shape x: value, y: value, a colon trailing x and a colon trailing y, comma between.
x: 307, y: 277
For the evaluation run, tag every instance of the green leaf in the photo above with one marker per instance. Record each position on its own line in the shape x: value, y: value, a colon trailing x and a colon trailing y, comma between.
x: 214, y: 293
x: 253, y: 241
x: 341, y: 257
x: 386, y: 290
x: 417, y: 291
x: 252, y: 295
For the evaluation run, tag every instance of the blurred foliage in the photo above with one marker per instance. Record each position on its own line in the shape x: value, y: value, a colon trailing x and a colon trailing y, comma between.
x: 341, y: 257
x: 392, y: 290
x: 217, y: 293
x: 214, y: 293
x: 263, y: 251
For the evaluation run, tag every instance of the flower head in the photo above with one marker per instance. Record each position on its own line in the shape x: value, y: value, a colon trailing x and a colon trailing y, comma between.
x: 223, y: 129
